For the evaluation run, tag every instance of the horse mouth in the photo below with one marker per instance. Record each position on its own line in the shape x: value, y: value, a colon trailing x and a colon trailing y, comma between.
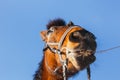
x: 84, y: 61
x: 81, y: 60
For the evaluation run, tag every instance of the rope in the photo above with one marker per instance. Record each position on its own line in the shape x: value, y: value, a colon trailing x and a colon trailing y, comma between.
x: 88, y: 72
x: 102, y: 51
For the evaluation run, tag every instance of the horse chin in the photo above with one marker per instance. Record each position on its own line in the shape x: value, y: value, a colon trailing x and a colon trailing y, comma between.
x: 84, y: 61
x: 80, y: 62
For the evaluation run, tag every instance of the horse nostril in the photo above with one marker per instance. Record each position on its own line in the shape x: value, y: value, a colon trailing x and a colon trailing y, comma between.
x: 75, y: 36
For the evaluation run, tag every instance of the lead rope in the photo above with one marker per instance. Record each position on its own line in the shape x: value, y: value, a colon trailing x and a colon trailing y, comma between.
x: 88, y: 72
x: 102, y: 51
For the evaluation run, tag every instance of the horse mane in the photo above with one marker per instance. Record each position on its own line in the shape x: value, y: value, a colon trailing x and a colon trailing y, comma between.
x: 56, y: 22
x: 37, y: 75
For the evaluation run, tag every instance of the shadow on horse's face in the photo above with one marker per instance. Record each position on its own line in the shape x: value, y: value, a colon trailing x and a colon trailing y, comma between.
x: 78, y: 46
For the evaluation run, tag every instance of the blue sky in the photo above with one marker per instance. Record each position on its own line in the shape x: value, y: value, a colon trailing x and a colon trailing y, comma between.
x: 22, y: 20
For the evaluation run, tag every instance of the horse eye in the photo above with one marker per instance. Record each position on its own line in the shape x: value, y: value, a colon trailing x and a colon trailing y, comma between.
x: 49, y: 31
x: 52, y: 29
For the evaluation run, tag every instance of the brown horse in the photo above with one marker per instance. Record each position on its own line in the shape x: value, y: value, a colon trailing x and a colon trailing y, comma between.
x: 68, y: 49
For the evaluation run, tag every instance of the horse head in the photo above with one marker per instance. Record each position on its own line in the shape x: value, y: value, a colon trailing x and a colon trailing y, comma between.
x: 74, y: 43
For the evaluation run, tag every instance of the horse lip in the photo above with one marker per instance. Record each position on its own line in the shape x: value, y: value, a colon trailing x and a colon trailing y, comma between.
x: 83, y: 54
x: 80, y: 53
x: 91, y: 58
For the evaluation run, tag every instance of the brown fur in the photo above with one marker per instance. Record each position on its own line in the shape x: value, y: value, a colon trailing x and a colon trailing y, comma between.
x: 77, y: 38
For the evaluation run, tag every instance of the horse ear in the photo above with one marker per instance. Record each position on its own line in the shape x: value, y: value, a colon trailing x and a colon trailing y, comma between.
x: 43, y: 34
x: 70, y: 23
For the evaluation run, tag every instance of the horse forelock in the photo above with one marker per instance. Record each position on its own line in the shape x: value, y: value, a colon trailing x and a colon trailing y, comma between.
x: 56, y: 22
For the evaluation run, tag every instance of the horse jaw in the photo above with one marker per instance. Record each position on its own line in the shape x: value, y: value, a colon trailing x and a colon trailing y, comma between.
x: 74, y: 62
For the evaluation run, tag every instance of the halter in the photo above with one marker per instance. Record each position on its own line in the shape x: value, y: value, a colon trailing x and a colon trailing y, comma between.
x: 59, y: 50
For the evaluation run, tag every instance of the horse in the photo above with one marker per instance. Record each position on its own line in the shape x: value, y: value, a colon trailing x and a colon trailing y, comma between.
x: 68, y: 49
